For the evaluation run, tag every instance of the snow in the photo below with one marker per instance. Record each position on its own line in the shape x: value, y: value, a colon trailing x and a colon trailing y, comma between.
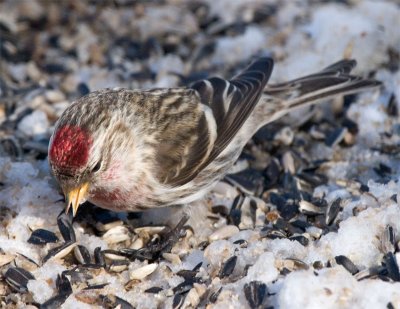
x: 35, y: 124
x: 333, y: 288
x: 264, y: 269
x: 365, y: 30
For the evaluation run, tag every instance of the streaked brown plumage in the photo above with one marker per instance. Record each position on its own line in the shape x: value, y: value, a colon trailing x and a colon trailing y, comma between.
x: 132, y: 149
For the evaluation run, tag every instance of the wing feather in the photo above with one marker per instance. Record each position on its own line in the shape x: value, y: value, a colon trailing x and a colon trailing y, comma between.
x: 224, y: 107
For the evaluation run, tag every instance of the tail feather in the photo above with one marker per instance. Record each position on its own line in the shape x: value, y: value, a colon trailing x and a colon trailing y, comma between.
x: 332, y: 81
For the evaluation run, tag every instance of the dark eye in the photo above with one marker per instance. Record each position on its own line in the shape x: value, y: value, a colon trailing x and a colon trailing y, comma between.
x: 97, y: 167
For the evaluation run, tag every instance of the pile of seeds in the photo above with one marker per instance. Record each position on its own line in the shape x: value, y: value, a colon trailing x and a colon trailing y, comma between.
x: 309, y: 214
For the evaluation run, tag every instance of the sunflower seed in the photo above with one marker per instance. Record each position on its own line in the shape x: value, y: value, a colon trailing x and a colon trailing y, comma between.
x: 149, y: 230
x: 228, y: 267
x: 138, y: 243
x: 82, y: 254
x: 116, y: 234
x: 272, y: 173
x: 59, y: 252
x: 187, y: 274
x: 6, y: 259
x: 294, y: 264
x: 288, y: 163
x: 308, y: 208
x: 392, y: 266
x: 255, y: 293
x: 178, y: 300
x: 213, y: 295
x: 64, y: 222
x: 154, y: 290
x: 220, y: 209
x: 112, y: 301
x: 224, y: 232
x: 63, y: 285
x: 346, y: 263
x: 335, y: 137
x: 104, y: 227
x: 388, y: 240
x: 18, y: 278
x: 142, y: 272
x: 96, y: 286
x: 99, y: 257
x: 383, y: 170
x: 113, y: 255
x: 332, y: 211
x: 273, y: 234
x: 301, y: 239
x: 392, y: 106
x: 390, y: 306
x: 241, y: 242
x: 54, y: 302
x: 183, y: 287
x: 249, y: 181
x: 369, y: 273
x: 118, y: 266
x: 41, y: 237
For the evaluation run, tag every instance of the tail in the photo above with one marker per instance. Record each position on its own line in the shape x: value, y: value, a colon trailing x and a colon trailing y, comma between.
x: 332, y: 81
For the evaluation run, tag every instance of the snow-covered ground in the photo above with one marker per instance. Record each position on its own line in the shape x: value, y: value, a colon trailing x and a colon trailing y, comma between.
x: 276, y: 253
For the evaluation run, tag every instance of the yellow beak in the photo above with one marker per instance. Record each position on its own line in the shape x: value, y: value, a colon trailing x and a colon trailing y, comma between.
x: 76, y: 197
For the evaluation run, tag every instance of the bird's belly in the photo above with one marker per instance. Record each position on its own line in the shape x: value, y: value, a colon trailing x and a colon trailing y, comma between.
x: 116, y: 200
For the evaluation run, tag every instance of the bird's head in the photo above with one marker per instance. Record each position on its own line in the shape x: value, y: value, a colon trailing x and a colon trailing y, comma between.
x: 103, y: 151
x: 75, y: 162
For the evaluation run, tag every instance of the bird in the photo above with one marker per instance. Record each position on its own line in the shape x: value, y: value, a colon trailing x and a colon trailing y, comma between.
x: 131, y: 150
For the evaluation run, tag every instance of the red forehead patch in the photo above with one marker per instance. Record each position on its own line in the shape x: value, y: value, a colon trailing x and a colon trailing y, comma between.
x: 70, y: 147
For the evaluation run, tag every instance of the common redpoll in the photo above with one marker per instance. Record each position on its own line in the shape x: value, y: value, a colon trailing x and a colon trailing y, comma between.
x: 129, y: 150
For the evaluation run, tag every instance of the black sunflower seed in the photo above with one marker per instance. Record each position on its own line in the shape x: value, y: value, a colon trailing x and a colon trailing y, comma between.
x: 112, y: 301
x: 242, y: 242
x: 183, y: 287
x: 154, y: 290
x: 59, y: 251
x: 187, y: 274
x: 335, y: 137
x: 255, y: 293
x: 301, y: 239
x: 63, y: 285
x: 249, y: 181
x: 392, y: 266
x: 54, y: 302
x: 197, y: 267
x: 392, y: 107
x: 18, y: 278
x: 213, y: 297
x: 383, y: 170
x: 41, y: 237
x: 96, y: 286
x: 178, y: 300
x: 390, y: 306
x: 346, y: 263
x: 99, y: 257
x: 332, y: 211
x: 228, y: 267
x: 82, y: 254
x: 272, y: 173
x: 64, y: 222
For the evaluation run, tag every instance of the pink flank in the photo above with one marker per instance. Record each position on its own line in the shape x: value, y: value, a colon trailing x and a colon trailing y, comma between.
x: 70, y: 147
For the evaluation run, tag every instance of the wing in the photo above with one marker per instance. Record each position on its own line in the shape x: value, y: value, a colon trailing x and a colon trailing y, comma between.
x: 223, y: 106
x: 333, y: 80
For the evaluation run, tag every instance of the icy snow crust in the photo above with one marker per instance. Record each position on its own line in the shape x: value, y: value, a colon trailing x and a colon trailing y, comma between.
x: 29, y: 198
